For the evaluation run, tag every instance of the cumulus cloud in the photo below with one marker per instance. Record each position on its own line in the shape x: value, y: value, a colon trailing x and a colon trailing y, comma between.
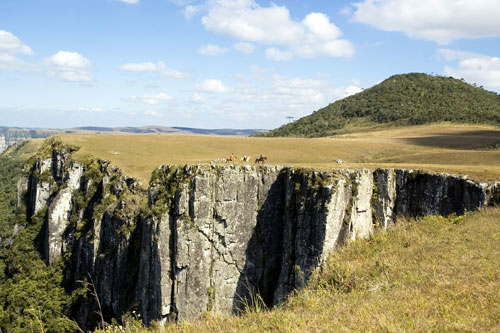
x: 474, y: 68
x: 158, y: 67
x: 247, y: 21
x: 352, y: 90
x: 244, y: 47
x: 300, y: 91
x: 10, y: 48
x: 10, y: 44
x: 132, y: 2
x: 152, y: 99
x: 278, y: 55
x: 442, y: 21
x: 293, y: 96
x: 212, y: 50
x: 213, y: 86
x: 69, y: 66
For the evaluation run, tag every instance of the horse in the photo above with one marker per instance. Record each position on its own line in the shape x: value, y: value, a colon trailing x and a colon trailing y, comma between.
x: 260, y: 159
x: 245, y: 158
x: 232, y: 158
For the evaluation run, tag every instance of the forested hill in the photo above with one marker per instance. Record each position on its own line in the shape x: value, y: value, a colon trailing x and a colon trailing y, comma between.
x: 406, y: 99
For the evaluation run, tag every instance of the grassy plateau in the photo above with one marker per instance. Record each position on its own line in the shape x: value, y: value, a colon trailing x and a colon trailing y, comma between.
x: 430, y: 274
x: 459, y: 149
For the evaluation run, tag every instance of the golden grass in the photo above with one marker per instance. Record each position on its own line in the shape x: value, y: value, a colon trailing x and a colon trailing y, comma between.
x: 444, y: 148
x: 431, y: 274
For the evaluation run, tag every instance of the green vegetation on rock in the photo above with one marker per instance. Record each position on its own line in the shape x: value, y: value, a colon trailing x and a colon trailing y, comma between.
x: 407, y: 99
x: 32, y: 297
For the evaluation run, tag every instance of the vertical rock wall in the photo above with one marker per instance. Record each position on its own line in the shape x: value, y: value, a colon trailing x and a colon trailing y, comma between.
x: 210, y: 238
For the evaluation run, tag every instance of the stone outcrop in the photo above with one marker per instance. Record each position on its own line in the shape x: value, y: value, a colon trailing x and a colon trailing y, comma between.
x: 60, y: 210
x: 210, y: 238
x: 10, y: 136
x: 223, y: 234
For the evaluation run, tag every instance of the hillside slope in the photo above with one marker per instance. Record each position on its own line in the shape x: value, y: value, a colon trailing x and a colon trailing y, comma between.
x: 406, y: 99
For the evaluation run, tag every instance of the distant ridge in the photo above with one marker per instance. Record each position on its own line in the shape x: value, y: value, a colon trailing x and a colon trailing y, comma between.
x: 405, y: 99
x: 168, y: 130
x: 11, y: 135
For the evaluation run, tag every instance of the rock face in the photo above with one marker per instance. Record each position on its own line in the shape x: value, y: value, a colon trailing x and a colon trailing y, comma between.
x: 9, y: 136
x: 223, y: 234
x: 59, y: 212
x: 209, y: 238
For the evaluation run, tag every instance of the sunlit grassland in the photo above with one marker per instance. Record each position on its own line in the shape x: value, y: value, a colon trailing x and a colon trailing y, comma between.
x: 431, y: 274
x: 459, y: 149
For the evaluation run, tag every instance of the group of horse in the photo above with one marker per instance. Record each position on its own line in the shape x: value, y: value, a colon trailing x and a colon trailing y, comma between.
x: 259, y: 160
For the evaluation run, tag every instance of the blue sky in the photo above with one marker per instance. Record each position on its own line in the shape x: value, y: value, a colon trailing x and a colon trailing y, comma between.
x: 222, y: 63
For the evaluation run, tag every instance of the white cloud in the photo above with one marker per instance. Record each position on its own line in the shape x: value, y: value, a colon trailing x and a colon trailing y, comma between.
x: 474, y: 68
x: 278, y: 55
x: 8, y: 61
x: 322, y: 39
x: 352, y: 90
x: 442, y: 21
x: 291, y: 96
x: 132, y: 2
x: 247, y: 21
x: 158, y: 67
x: 244, y: 47
x: 10, y: 48
x: 212, y: 50
x: 300, y: 91
x: 69, y: 66
x: 152, y: 99
x: 140, y: 67
x: 346, y: 11
x: 197, y: 98
x: 10, y: 44
x: 191, y: 11
x: 213, y: 86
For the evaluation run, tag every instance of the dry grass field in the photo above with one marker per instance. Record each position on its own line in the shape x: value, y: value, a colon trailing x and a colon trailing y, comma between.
x: 432, y: 274
x: 427, y: 275
x: 458, y: 149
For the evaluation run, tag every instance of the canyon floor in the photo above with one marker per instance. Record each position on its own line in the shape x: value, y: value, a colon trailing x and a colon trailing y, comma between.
x: 458, y: 149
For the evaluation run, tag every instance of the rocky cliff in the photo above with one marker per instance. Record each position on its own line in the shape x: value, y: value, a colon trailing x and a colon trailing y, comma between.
x: 9, y: 136
x: 210, y: 238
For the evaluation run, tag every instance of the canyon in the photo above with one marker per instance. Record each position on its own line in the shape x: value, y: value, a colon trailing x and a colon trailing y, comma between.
x: 213, y: 237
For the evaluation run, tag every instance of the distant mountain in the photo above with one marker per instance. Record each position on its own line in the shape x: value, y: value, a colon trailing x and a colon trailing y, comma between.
x: 406, y: 99
x: 170, y: 130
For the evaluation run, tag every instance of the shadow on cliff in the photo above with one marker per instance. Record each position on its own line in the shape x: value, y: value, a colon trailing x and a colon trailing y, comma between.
x: 287, y: 243
x: 264, y: 251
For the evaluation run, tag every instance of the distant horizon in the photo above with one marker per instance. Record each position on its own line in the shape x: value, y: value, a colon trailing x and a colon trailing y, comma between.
x: 219, y: 64
x: 140, y: 126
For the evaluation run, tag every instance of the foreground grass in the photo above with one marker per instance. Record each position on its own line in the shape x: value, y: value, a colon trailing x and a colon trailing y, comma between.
x: 460, y: 149
x: 430, y: 274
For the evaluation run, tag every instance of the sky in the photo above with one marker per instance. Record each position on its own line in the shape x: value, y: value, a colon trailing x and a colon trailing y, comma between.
x: 226, y: 63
